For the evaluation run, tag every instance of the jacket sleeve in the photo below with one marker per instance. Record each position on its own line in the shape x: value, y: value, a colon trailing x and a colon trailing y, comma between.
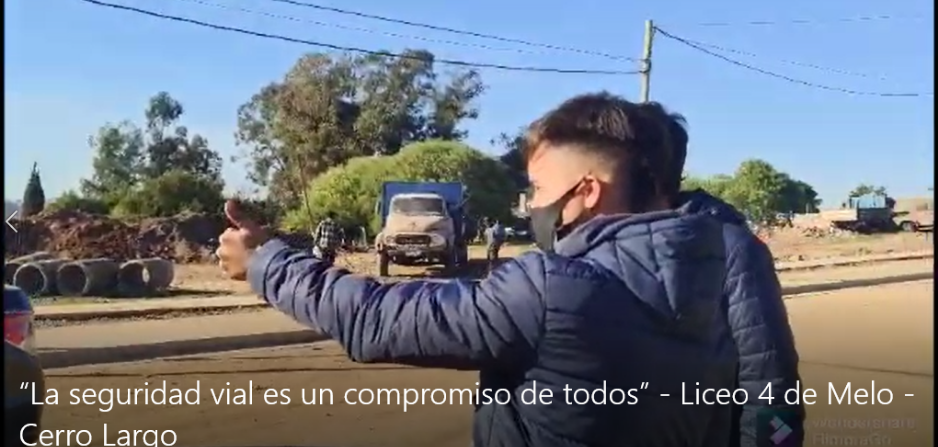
x: 444, y: 323
x: 763, y: 336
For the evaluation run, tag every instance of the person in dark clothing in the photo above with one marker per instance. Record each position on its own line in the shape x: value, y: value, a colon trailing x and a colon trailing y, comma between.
x: 328, y: 238
x: 755, y: 310
x: 469, y: 231
x: 624, y: 293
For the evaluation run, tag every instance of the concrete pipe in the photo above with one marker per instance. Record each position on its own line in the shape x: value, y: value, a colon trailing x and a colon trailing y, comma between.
x: 10, y: 267
x: 38, y: 278
x: 88, y: 277
x: 37, y: 256
x: 142, y: 277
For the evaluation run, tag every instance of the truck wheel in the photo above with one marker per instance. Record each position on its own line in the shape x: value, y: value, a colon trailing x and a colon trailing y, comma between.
x: 908, y: 226
x: 383, y: 263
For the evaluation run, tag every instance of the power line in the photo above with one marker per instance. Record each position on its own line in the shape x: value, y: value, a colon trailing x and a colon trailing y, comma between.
x: 452, y: 30
x: 781, y: 76
x: 358, y: 29
x: 330, y: 46
x: 787, y: 61
x: 858, y: 19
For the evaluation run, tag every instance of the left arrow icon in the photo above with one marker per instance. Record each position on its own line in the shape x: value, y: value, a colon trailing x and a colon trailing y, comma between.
x: 10, y: 224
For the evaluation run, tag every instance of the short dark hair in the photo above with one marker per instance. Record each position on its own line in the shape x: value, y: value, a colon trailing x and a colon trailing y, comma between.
x: 636, y: 138
x: 677, y: 129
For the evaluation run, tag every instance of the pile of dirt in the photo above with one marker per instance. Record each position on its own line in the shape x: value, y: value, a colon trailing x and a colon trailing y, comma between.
x: 184, y: 238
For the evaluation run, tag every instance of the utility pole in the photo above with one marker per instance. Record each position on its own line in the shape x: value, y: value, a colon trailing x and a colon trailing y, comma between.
x: 646, y: 60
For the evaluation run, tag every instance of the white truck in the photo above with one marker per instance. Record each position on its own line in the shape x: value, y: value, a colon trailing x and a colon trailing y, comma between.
x: 421, y: 222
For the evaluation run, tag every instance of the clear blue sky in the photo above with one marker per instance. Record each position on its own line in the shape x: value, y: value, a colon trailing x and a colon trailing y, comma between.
x: 71, y: 67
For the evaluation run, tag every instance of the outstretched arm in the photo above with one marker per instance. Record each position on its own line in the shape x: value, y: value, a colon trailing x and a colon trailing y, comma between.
x: 443, y: 324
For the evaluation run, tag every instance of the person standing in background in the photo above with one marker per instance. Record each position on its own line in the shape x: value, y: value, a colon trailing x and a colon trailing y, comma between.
x: 328, y: 237
x: 481, y: 225
x: 494, y: 238
x: 754, y: 308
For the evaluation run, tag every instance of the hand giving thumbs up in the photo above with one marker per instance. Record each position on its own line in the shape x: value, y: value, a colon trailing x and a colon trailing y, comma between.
x: 238, y: 242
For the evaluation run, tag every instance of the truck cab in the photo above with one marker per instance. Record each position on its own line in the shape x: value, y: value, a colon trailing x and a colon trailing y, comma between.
x: 421, y: 222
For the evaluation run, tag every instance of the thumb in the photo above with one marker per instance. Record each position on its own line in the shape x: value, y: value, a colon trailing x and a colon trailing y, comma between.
x: 237, y: 217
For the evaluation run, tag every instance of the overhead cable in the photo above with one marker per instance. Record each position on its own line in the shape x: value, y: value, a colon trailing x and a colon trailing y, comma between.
x: 787, y: 61
x: 784, y: 77
x: 858, y: 19
x: 359, y: 29
x: 364, y: 15
x: 330, y: 46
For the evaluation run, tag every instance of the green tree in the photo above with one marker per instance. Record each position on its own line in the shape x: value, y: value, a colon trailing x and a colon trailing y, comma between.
x: 73, y: 201
x: 716, y: 185
x: 169, y: 146
x: 129, y: 158
x: 487, y: 180
x: 758, y: 190
x: 174, y: 192
x: 797, y: 196
x: 118, y: 162
x: 34, y: 198
x: 513, y: 157
x: 863, y: 189
x: 329, y: 109
x: 351, y: 191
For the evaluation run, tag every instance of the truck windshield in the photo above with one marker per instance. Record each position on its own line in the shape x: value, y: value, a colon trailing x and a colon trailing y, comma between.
x: 417, y: 205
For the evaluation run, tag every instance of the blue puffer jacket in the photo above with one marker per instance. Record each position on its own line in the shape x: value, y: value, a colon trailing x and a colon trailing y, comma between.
x: 758, y: 321
x: 624, y: 301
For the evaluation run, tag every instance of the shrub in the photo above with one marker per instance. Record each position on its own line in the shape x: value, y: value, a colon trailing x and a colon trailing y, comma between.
x: 351, y: 191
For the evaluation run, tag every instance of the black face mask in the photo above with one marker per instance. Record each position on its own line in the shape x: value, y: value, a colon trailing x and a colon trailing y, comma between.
x: 546, y: 224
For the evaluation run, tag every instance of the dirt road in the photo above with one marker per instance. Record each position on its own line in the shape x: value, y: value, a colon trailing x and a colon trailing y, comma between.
x: 792, y: 245
x: 882, y: 334
x: 878, y: 337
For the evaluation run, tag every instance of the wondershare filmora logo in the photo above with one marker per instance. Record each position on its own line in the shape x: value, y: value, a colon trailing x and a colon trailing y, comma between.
x: 775, y: 428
